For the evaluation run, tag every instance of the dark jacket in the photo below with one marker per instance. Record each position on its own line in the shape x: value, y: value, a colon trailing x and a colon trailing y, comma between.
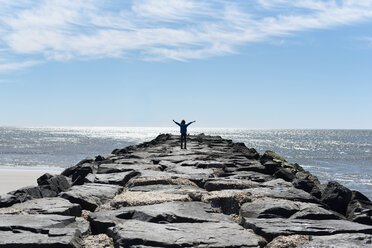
x: 183, y: 127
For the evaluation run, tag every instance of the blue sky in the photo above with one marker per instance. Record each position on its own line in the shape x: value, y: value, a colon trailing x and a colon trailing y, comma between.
x: 250, y: 64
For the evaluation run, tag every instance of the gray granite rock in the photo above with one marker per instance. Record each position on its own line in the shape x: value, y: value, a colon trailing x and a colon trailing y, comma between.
x: 306, y: 181
x: 281, y: 208
x: 69, y: 238
x: 271, y: 228
x: 269, y: 208
x: 282, y: 193
x: 27, y: 193
x: 206, y: 234
x: 49, y: 186
x: 360, y: 211
x: 91, y: 195
x: 249, y: 175
x: 132, y: 166
x: 281, y: 189
x: 221, y: 184
x: 169, y: 212
x: 344, y: 240
x: 7, y: 200
x: 316, y: 212
x: 197, y: 175
x: 120, y: 178
x: 78, y: 172
x: 154, y: 173
x: 253, y: 167
x: 53, y: 205
x: 229, y: 201
x: 336, y: 196
x: 57, y: 183
x: 168, y: 188
x: 249, y: 153
x: 285, y: 173
x: 39, y: 231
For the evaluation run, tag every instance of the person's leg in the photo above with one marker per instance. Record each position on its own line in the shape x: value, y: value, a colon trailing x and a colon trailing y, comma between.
x: 185, y: 140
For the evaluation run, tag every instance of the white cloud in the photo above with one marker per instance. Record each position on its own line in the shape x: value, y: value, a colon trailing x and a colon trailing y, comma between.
x: 6, y: 67
x: 159, y: 29
x: 168, y: 10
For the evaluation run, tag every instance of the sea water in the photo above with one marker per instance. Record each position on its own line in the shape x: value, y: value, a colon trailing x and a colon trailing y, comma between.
x: 341, y: 155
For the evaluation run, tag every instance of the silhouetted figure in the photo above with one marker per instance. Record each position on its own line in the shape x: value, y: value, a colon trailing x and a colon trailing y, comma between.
x: 183, y: 130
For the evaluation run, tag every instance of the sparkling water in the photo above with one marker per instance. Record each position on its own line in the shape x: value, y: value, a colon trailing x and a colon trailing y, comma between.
x: 341, y: 155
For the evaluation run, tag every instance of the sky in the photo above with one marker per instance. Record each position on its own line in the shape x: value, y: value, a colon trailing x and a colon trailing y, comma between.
x: 223, y: 63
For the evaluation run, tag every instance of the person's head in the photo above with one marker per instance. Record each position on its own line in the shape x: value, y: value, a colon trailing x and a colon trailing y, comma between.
x: 183, y: 122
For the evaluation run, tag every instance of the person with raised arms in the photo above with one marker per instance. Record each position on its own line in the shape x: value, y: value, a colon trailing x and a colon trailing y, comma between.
x: 183, y: 131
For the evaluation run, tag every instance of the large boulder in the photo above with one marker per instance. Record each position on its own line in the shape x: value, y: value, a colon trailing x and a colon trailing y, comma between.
x: 229, y: 201
x: 40, y: 230
x: 249, y: 175
x: 80, y: 171
x: 221, y: 184
x: 344, y: 240
x: 205, y: 234
x: 249, y: 153
x: 71, y: 170
x: 271, y: 228
x: 120, y: 178
x: 360, y: 211
x: 127, y: 165
x: 52, y: 185
x: 168, y: 212
x: 336, y: 196
x: 91, y: 195
x: 255, y: 166
x: 7, y: 200
x: 356, y: 195
x: 281, y: 208
x: 269, y: 208
x: 306, y: 181
x: 57, y: 183
x: 196, y: 175
x: 284, y: 173
x: 280, y: 189
x: 270, y: 156
x: 27, y: 193
x: 53, y: 205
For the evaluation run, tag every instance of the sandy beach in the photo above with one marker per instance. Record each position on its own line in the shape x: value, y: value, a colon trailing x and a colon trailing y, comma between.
x: 18, y: 177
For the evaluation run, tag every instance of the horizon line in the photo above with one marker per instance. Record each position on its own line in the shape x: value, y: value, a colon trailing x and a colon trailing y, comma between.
x: 203, y: 127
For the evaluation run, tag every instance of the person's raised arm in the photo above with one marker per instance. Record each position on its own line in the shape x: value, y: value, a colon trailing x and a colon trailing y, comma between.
x: 190, y: 122
x: 176, y: 123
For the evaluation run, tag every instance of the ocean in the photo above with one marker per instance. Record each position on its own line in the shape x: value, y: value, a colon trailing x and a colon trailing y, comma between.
x: 341, y: 155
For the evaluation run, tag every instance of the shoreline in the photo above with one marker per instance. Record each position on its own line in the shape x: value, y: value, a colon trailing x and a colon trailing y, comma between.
x: 13, y: 178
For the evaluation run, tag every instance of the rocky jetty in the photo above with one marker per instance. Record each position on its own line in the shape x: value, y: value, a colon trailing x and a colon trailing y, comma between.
x: 215, y: 194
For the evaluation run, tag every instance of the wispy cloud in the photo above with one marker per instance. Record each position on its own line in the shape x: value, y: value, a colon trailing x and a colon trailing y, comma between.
x: 166, y: 10
x: 6, y: 67
x: 158, y: 29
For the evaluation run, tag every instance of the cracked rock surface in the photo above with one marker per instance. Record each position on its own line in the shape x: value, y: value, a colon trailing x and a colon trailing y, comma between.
x: 217, y: 193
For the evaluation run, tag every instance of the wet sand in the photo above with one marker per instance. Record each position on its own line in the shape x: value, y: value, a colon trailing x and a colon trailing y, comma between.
x: 18, y: 177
